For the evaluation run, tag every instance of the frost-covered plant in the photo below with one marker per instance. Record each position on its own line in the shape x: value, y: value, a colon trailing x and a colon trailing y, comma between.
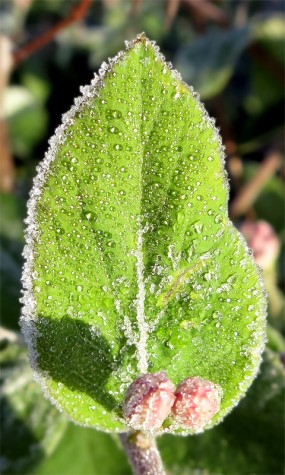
x: 143, y: 308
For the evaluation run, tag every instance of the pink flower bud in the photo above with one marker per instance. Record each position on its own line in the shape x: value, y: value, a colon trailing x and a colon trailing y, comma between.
x: 263, y: 241
x: 148, y: 401
x: 197, y: 401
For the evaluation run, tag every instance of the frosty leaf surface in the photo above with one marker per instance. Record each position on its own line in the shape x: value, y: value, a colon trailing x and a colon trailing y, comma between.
x: 132, y: 264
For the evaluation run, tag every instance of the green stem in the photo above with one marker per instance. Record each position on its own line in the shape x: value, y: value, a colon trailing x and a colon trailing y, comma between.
x: 142, y: 453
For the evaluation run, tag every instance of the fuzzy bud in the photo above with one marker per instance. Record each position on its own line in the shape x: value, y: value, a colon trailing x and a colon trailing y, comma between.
x: 148, y: 401
x: 197, y: 401
x: 263, y: 241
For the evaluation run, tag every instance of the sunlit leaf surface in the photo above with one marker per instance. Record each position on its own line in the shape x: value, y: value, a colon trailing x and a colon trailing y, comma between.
x: 132, y: 264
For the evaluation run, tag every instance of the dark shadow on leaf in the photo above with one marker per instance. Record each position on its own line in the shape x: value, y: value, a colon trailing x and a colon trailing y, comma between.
x: 78, y: 356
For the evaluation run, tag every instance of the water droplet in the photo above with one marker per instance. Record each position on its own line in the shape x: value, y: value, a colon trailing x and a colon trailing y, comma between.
x: 113, y: 130
x: 198, y: 226
x: 118, y: 147
x: 217, y: 315
x: 113, y: 114
x: 185, y: 324
x: 180, y: 217
x: 90, y: 216
x: 218, y: 218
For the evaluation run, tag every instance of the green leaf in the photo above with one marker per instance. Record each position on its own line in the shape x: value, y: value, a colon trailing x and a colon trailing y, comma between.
x: 249, y: 441
x: 276, y: 341
x: 10, y: 285
x: 11, y: 240
x: 132, y: 264
x: 12, y: 213
x: 26, y: 118
x: 208, y: 63
x: 270, y: 32
x: 266, y: 87
x: 92, y: 449
x: 32, y: 427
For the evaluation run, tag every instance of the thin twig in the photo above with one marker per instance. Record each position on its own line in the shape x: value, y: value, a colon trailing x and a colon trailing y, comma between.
x: 142, y: 453
x: 208, y: 10
x: 250, y: 191
x: 241, y: 14
x: 76, y: 13
x: 7, y: 175
x: 7, y: 167
x: 171, y: 9
x: 135, y: 7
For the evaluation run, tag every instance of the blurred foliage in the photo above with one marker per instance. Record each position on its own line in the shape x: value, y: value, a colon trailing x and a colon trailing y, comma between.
x: 270, y: 203
x: 31, y: 425
x: 237, y: 66
x: 40, y: 441
x: 214, y: 56
x: 22, y: 109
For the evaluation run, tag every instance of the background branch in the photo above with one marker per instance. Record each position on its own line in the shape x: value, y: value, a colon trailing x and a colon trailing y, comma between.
x: 208, y: 11
x: 250, y: 191
x: 76, y: 13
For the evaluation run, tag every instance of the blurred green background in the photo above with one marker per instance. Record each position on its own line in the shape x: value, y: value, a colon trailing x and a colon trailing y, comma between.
x: 232, y: 53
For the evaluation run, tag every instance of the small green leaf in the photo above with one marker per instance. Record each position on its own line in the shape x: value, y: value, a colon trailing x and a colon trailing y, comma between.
x: 208, y: 63
x: 12, y: 212
x: 26, y: 118
x: 32, y: 427
x: 92, y: 449
x: 132, y: 264
x: 10, y: 285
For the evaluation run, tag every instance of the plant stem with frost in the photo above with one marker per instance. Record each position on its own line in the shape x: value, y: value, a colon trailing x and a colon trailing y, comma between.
x: 142, y: 453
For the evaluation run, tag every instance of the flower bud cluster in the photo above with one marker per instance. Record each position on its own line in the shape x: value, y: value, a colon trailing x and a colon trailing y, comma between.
x: 152, y: 398
x: 263, y: 241
x: 197, y: 401
x: 148, y: 401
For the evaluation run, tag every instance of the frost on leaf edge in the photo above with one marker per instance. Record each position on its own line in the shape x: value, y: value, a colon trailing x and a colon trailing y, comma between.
x: 29, y: 315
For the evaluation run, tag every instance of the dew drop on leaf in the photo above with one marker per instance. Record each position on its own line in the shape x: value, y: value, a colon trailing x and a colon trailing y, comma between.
x: 132, y: 264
